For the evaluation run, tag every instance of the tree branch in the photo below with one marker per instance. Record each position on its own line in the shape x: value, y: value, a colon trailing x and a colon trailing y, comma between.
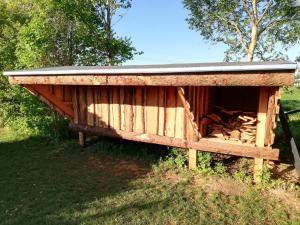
x: 265, y: 11
x: 237, y: 29
x: 272, y: 23
x: 247, y: 9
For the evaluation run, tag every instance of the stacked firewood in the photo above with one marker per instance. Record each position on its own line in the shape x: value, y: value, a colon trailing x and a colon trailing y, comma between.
x: 231, y: 125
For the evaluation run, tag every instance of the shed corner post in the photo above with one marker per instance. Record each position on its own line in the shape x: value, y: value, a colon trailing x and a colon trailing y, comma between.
x: 260, y: 131
x: 192, y: 159
x: 82, y: 138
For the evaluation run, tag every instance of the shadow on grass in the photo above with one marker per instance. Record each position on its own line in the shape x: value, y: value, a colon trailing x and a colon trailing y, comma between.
x: 46, y: 183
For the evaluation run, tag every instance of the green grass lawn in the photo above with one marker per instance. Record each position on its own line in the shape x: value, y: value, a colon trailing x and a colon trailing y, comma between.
x: 291, y: 100
x: 49, y: 183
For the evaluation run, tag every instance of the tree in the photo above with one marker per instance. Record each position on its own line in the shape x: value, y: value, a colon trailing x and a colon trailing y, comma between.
x: 112, y: 45
x: 51, y: 33
x: 72, y: 32
x: 250, y: 28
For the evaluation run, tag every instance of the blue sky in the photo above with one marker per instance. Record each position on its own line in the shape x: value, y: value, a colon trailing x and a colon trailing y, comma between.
x: 159, y: 29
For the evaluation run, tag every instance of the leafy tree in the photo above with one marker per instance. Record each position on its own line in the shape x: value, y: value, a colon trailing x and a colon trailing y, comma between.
x: 251, y: 28
x: 39, y: 33
x: 72, y: 33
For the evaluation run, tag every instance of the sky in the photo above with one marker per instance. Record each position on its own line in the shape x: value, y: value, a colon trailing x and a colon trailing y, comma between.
x: 159, y: 29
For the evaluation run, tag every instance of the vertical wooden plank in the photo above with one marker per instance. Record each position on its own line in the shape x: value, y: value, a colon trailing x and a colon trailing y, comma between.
x: 116, y: 107
x: 122, y: 108
x: 139, y: 124
x: 97, y: 103
x: 270, y: 115
x: 58, y: 91
x: 192, y: 159
x: 170, y: 111
x: 161, y: 110
x: 180, y: 118
x: 104, y: 107
x: 201, y: 110
x: 90, y: 105
x: 151, y: 109
x: 67, y: 93
x: 75, y: 104
x: 128, y: 109
x: 260, y: 129
x: 81, y: 137
x: 82, y: 105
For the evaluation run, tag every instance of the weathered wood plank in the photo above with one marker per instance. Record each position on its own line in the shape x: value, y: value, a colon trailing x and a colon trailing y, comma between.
x: 75, y: 104
x: 261, y: 130
x: 180, y: 118
x: 82, y: 105
x: 170, y: 111
x: 67, y: 93
x: 90, y: 105
x: 204, y: 144
x: 151, y: 110
x: 139, y: 123
x: 104, y: 107
x: 116, y: 110
x: 128, y: 109
x: 122, y: 108
x: 58, y: 92
x: 192, y: 159
x: 97, y: 99
x: 256, y: 78
x: 161, y: 110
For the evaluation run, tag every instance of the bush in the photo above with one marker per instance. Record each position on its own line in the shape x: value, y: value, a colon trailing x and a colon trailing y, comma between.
x: 25, y: 113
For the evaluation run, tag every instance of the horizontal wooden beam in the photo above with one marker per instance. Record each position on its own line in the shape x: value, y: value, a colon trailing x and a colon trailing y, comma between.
x: 272, y: 78
x: 204, y: 144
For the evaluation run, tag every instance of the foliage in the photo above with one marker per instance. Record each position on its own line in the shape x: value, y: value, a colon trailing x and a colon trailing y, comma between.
x: 47, y: 33
x: 248, y: 28
x: 26, y: 114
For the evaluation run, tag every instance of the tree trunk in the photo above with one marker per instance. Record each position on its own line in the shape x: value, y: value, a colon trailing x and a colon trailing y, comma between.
x: 252, y: 44
x: 253, y: 41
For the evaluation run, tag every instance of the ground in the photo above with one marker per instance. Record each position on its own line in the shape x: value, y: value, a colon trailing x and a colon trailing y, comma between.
x: 43, y: 182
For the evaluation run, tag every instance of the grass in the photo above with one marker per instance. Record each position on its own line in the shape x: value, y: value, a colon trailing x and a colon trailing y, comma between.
x: 291, y: 100
x: 57, y: 183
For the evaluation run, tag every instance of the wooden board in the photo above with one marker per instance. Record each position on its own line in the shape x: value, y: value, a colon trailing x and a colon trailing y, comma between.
x: 204, y: 144
x: 151, y: 110
x: 256, y: 78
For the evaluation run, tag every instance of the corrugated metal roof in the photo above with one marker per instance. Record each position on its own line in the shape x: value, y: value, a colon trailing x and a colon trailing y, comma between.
x: 159, y: 68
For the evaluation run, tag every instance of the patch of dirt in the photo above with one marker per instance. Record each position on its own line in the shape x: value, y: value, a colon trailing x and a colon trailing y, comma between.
x: 284, y: 171
x: 288, y: 198
x: 172, y: 177
x: 223, y: 185
x: 117, y: 167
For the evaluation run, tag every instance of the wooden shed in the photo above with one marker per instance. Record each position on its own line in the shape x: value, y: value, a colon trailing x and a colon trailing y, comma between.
x: 227, y: 108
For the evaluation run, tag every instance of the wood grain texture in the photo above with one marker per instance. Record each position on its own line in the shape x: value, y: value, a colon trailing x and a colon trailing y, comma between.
x: 104, y: 107
x: 204, y: 144
x: 59, y: 91
x: 128, y: 108
x: 272, y: 78
x: 262, y: 116
x: 82, y: 105
x: 161, y: 110
x: 180, y: 119
x: 122, y: 108
x: 75, y: 100
x: 151, y: 110
x: 90, y: 105
x: 170, y: 111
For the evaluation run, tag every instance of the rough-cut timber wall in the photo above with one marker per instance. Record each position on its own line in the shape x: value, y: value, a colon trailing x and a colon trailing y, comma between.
x: 151, y: 110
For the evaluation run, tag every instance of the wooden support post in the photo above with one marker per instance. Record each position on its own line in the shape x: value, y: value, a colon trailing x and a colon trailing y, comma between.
x: 261, y: 130
x: 192, y: 159
x: 81, y: 137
